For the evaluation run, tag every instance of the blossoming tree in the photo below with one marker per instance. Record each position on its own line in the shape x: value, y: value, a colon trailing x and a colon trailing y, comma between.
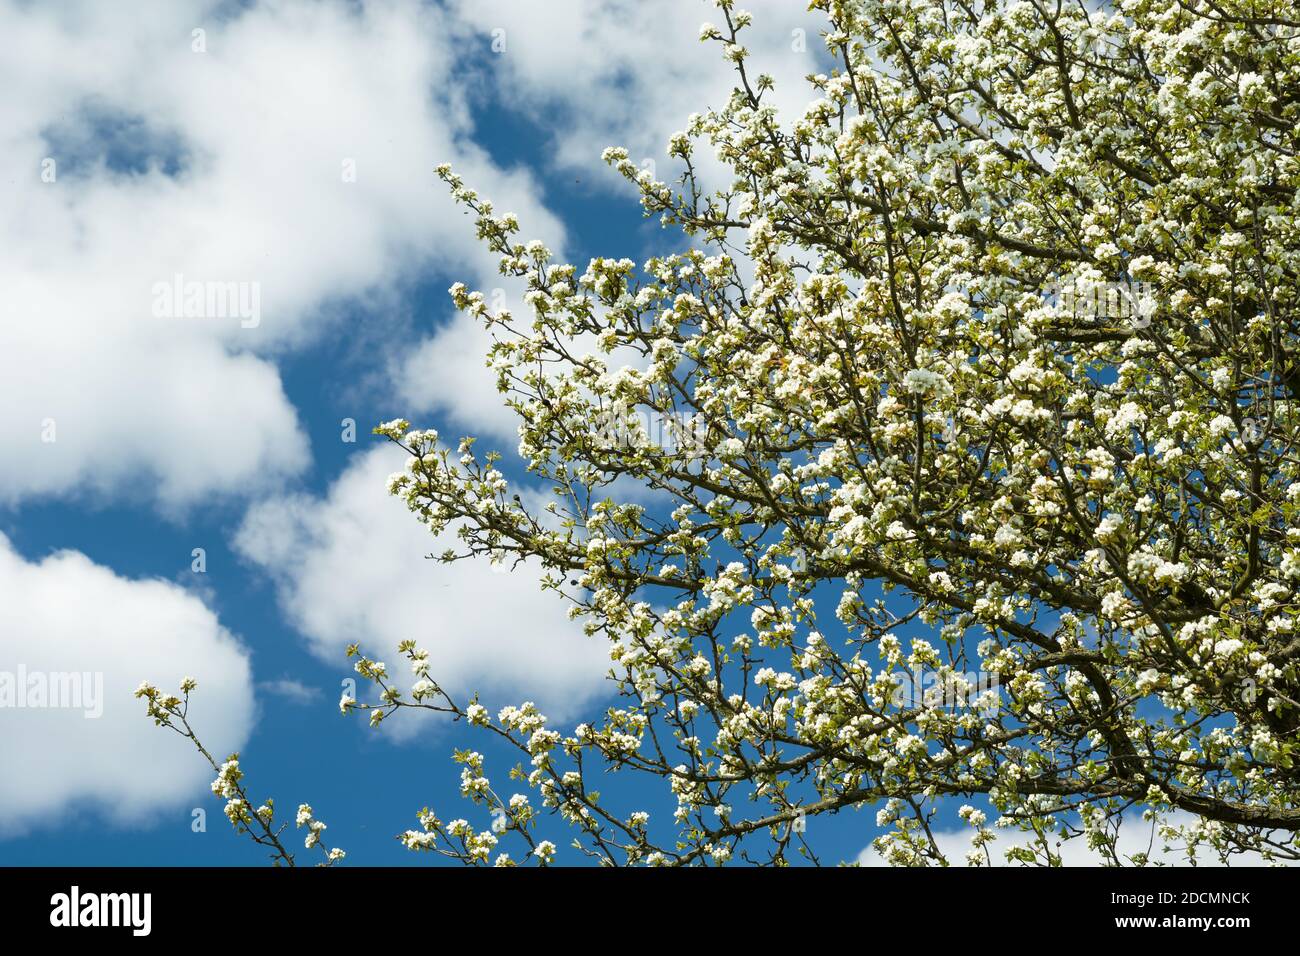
x: 989, y: 366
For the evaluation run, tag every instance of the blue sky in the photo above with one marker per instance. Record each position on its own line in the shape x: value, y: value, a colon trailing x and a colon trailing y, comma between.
x: 217, y: 154
x: 289, y: 146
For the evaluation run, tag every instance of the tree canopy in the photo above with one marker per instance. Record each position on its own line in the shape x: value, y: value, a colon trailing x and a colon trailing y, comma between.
x: 983, y: 370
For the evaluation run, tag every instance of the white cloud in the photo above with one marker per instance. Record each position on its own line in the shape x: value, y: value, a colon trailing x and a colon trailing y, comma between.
x: 1135, y: 836
x: 644, y: 71
x: 447, y: 373
x: 222, y: 166
x: 350, y: 567
x: 643, y: 67
x: 294, y: 691
x: 68, y: 615
x: 226, y: 166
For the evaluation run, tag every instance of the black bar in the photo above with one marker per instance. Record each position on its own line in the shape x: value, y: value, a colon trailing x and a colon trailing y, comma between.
x: 365, y: 904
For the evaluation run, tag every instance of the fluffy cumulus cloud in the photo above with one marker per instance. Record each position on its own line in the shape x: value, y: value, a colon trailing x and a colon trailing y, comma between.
x: 644, y: 72
x: 285, y: 154
x: 447, y: 374
x: 349, y: 567
x: 1135, y: 836
x: 75, y: 642
x: 277, y: 157
x: 644, y: 69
